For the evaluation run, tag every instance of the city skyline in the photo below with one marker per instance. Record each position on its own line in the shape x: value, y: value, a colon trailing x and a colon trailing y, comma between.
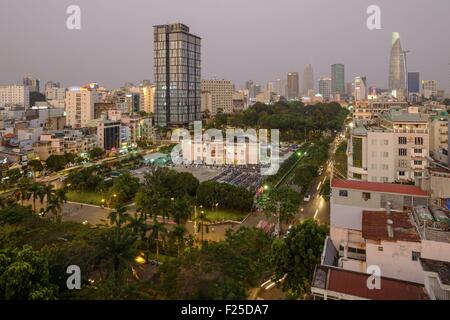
x: 111, y: 63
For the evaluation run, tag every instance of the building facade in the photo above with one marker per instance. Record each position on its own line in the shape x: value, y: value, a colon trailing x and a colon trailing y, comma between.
x: 177, y: 69
x: 325, y: 88
x: 293, y: 91
x: 15, y: 96
x: 338, y: 79
x: 80, y: 108
x: 397, y: 68
x: 221, y: 94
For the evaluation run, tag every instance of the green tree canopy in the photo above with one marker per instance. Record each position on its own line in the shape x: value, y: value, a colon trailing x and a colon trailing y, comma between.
x: 296, y: 256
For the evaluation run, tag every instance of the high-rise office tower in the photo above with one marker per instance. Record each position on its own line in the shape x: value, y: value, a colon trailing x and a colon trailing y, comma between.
x: 177, y: 71
x: 308, y: 79
x: 413, y: 82
x: 293, y: 91
x: 397, y: 69
x: 32, y: 83
x: 325, y: 88
x: 338, y: 79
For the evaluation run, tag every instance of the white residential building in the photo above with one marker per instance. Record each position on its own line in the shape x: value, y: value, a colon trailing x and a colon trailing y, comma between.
x: 222, y: 95
x: 15, y: 95
x: 80, y: 106
x: 390, y: 227
x: 394, y: 150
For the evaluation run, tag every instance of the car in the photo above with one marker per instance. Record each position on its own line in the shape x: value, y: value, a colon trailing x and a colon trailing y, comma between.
x: 307, y: 198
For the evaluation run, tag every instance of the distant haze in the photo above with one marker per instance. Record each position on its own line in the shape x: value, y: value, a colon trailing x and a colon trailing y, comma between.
x: 242, y: 39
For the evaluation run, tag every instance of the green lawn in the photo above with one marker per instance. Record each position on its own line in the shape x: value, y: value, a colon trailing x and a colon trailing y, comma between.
x: 220, y: 215
x: 85, y: 197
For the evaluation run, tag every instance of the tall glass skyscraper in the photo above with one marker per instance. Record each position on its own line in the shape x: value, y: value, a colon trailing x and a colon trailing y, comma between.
x: 413, y: 82
x: 397, y: 69
x: 338, y: 79
x: 177, y: 75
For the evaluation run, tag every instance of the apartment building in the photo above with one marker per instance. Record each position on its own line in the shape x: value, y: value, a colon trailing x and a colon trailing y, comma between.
x: 15, y: 95
x: 109, y: 135
x: 221, y: 94
x: 367, y: 111
x: 147, y: 98
x: 439, y: 132
x: 393, y: 150
x: 80, y: 106
x: 391, y: 228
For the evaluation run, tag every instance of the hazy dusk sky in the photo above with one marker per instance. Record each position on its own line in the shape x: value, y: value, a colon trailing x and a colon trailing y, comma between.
x: 242, y: 39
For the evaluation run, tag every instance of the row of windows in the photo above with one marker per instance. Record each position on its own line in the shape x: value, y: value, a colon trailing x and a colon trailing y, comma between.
x: 417, y: 140
x: 402, y: 152
x: 365, y: 195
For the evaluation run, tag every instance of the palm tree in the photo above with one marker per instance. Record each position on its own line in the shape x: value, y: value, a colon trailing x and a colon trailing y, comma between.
x: 179, y: 233
x: 117, y: 247
x: 48, y: 191
x: 36, y: 191
x: 202, y: 223
x: 158, y: 233
x: 23, y: 190
x: 138, y: 225
x: 55, y: 203
x: 119, y: 216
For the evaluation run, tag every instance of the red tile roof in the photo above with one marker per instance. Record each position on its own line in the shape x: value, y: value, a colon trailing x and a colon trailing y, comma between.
x: 355, y: 284
x: 375, y: 227
x: 378, y: 187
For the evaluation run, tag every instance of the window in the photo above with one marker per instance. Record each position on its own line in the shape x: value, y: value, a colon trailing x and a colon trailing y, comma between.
x: 401, y: 173
x: 357, y: 176
x: 415, y: 256
x: 418, y: 141
x: 385, y: 154
x: 418, y: 162
x: 385, y: 167
x: 402, y: 152
x: 374, y: 154
x: 373, y: 166
x: 402, y: 140
x: 380, y: 249
x: 403, y: 163
x: 417, y: 150
x: 374, y: 142
x: 417, y: 174
x: 385, y: 142
x: 384, y: 179
x: 343, y: 193
x: 366, y: 196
